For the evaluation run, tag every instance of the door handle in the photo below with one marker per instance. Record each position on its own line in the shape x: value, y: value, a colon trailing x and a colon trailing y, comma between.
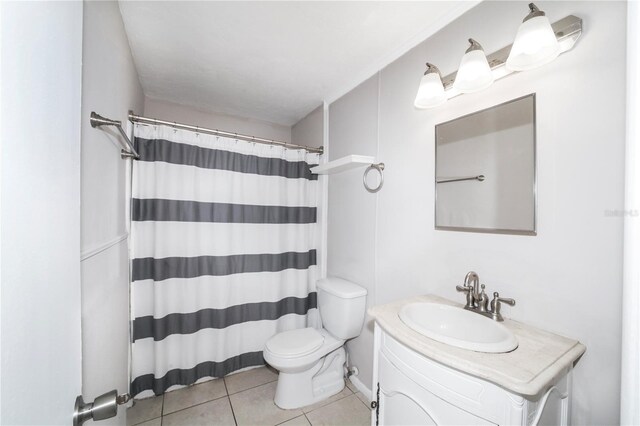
x: 103, y: 407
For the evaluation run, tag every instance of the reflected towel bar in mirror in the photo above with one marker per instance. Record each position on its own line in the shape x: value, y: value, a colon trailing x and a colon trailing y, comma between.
x: 479, y: 177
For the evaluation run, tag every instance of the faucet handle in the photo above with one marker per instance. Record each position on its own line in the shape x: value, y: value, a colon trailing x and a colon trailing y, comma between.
x: 508, y: 301
x: 496, y: 303
x: 464, y: 289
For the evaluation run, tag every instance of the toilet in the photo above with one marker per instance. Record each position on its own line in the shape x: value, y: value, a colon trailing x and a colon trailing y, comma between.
x: 310, y: 361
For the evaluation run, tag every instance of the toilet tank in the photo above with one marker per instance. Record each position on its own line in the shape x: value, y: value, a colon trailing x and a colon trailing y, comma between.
x: 342, y: 306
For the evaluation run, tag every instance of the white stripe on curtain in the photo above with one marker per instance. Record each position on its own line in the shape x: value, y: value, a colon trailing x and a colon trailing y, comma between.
x: 223, y: 244
x: 217, y: 292
x: 173, y: 182
x: 177, y: 238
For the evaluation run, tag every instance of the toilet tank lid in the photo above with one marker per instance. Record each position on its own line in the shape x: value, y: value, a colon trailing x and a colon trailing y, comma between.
x: 341, y: 288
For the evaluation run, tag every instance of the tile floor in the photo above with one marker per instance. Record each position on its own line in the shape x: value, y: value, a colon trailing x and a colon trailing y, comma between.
x: 246, y: 399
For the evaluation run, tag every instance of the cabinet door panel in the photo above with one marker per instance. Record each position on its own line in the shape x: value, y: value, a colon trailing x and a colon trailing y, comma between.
x: 400, y: 409
x: 403, y: 402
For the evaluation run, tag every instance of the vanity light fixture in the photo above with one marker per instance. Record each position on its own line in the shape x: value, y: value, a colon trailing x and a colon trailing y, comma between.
x: 535, y: 44
x: 474, y: 73
x: 431, y: 91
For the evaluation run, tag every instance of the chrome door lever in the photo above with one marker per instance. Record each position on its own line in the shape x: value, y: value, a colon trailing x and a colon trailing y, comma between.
x: 103, y: 407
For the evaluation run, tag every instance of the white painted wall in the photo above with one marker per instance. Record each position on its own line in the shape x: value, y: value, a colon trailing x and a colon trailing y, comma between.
x: 310, y: 130
x: 568, y: 278
x: 352, y: 216
x: 40, y: 109
x: 110, y: 87
x: 169, y: 111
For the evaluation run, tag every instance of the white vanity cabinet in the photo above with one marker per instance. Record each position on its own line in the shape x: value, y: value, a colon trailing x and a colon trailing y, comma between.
x: 418, y: 381
x: 414, y: 390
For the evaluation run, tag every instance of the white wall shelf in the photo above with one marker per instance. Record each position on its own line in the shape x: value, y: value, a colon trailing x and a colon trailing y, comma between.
x: 342, y: 164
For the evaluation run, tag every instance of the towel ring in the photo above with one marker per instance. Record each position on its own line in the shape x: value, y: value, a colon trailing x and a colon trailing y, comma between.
x: 379, y: 168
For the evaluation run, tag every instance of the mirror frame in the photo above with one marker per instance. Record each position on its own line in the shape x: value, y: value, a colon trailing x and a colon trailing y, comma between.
x: 535, y: 179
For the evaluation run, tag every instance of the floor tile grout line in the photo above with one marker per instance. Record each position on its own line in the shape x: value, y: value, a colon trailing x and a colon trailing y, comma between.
x: 233, y: 413
x: 148, y: 420
x: 365, y: 404
x: 305, y: 416
x: 284, y: 421
x: 162, y: 410
x: 195, y: 405
x: 325, y: 405
x: 252, y: 387
x: 329, y: 403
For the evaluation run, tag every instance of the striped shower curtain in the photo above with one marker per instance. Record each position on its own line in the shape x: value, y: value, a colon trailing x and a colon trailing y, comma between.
x: 223, y: 248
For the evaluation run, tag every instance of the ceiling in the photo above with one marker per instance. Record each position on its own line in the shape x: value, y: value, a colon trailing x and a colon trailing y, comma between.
x: 274, y: 61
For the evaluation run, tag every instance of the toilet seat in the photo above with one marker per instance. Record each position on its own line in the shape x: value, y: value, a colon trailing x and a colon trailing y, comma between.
x: 295, y: 343
x: 297, y: 350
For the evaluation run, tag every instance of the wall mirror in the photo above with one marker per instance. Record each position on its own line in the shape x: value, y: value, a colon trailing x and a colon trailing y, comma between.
x: 486, y: 170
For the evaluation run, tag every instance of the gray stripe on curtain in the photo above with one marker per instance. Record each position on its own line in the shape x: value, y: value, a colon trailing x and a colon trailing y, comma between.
x: 159, y: 328
x: 207, y: 158
x: 196, y: 211
x: 190, y: 267
x: 191, y: 375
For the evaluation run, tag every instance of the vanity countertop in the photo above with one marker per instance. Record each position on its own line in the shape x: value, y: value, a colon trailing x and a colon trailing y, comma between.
x: 540, y: 358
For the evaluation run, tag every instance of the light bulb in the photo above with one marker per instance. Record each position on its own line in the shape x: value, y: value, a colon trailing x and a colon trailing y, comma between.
x: 474, y: 73
x: 535, y: 44
x: 431, y: 91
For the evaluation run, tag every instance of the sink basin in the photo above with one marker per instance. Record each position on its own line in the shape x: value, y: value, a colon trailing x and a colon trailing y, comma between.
x: 458, y: 327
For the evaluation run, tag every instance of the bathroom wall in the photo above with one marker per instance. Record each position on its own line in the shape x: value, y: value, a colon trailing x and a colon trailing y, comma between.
x: 310, y: 130
x: 567, y: 279
x: 352, y: 216
x: 169, y: 111
x: 110, y: 87
x: 41, y: 45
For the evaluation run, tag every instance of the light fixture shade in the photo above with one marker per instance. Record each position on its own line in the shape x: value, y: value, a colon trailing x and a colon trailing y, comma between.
x: 474, y: 73
x: 431, y: 91
x: 535, y: 43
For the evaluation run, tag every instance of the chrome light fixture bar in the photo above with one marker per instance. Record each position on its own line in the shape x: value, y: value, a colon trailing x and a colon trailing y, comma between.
x: 567, y: 31
x: 537, y: 43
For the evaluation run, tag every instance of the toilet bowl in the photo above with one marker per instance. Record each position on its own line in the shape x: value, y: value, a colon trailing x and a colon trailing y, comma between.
x: 310, y: 361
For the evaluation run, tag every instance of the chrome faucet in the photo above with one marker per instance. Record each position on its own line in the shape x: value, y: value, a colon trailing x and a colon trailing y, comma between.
x: 471, y: 282
x: 478, y: 301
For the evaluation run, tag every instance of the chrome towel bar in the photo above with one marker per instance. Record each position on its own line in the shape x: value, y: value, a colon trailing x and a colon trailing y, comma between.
x: 479, y: 177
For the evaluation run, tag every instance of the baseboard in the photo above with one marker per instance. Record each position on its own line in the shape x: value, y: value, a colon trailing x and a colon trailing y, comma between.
x: 361, y: 386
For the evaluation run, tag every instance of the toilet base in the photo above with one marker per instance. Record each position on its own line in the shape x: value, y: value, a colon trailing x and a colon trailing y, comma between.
x: 324, y: 379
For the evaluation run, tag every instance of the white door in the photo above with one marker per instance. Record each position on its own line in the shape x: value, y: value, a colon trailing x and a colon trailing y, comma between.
x: 41, y: 45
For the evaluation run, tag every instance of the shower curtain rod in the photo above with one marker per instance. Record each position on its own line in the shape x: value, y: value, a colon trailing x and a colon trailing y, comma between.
x: 97, y: 121
x: 145, y: 120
